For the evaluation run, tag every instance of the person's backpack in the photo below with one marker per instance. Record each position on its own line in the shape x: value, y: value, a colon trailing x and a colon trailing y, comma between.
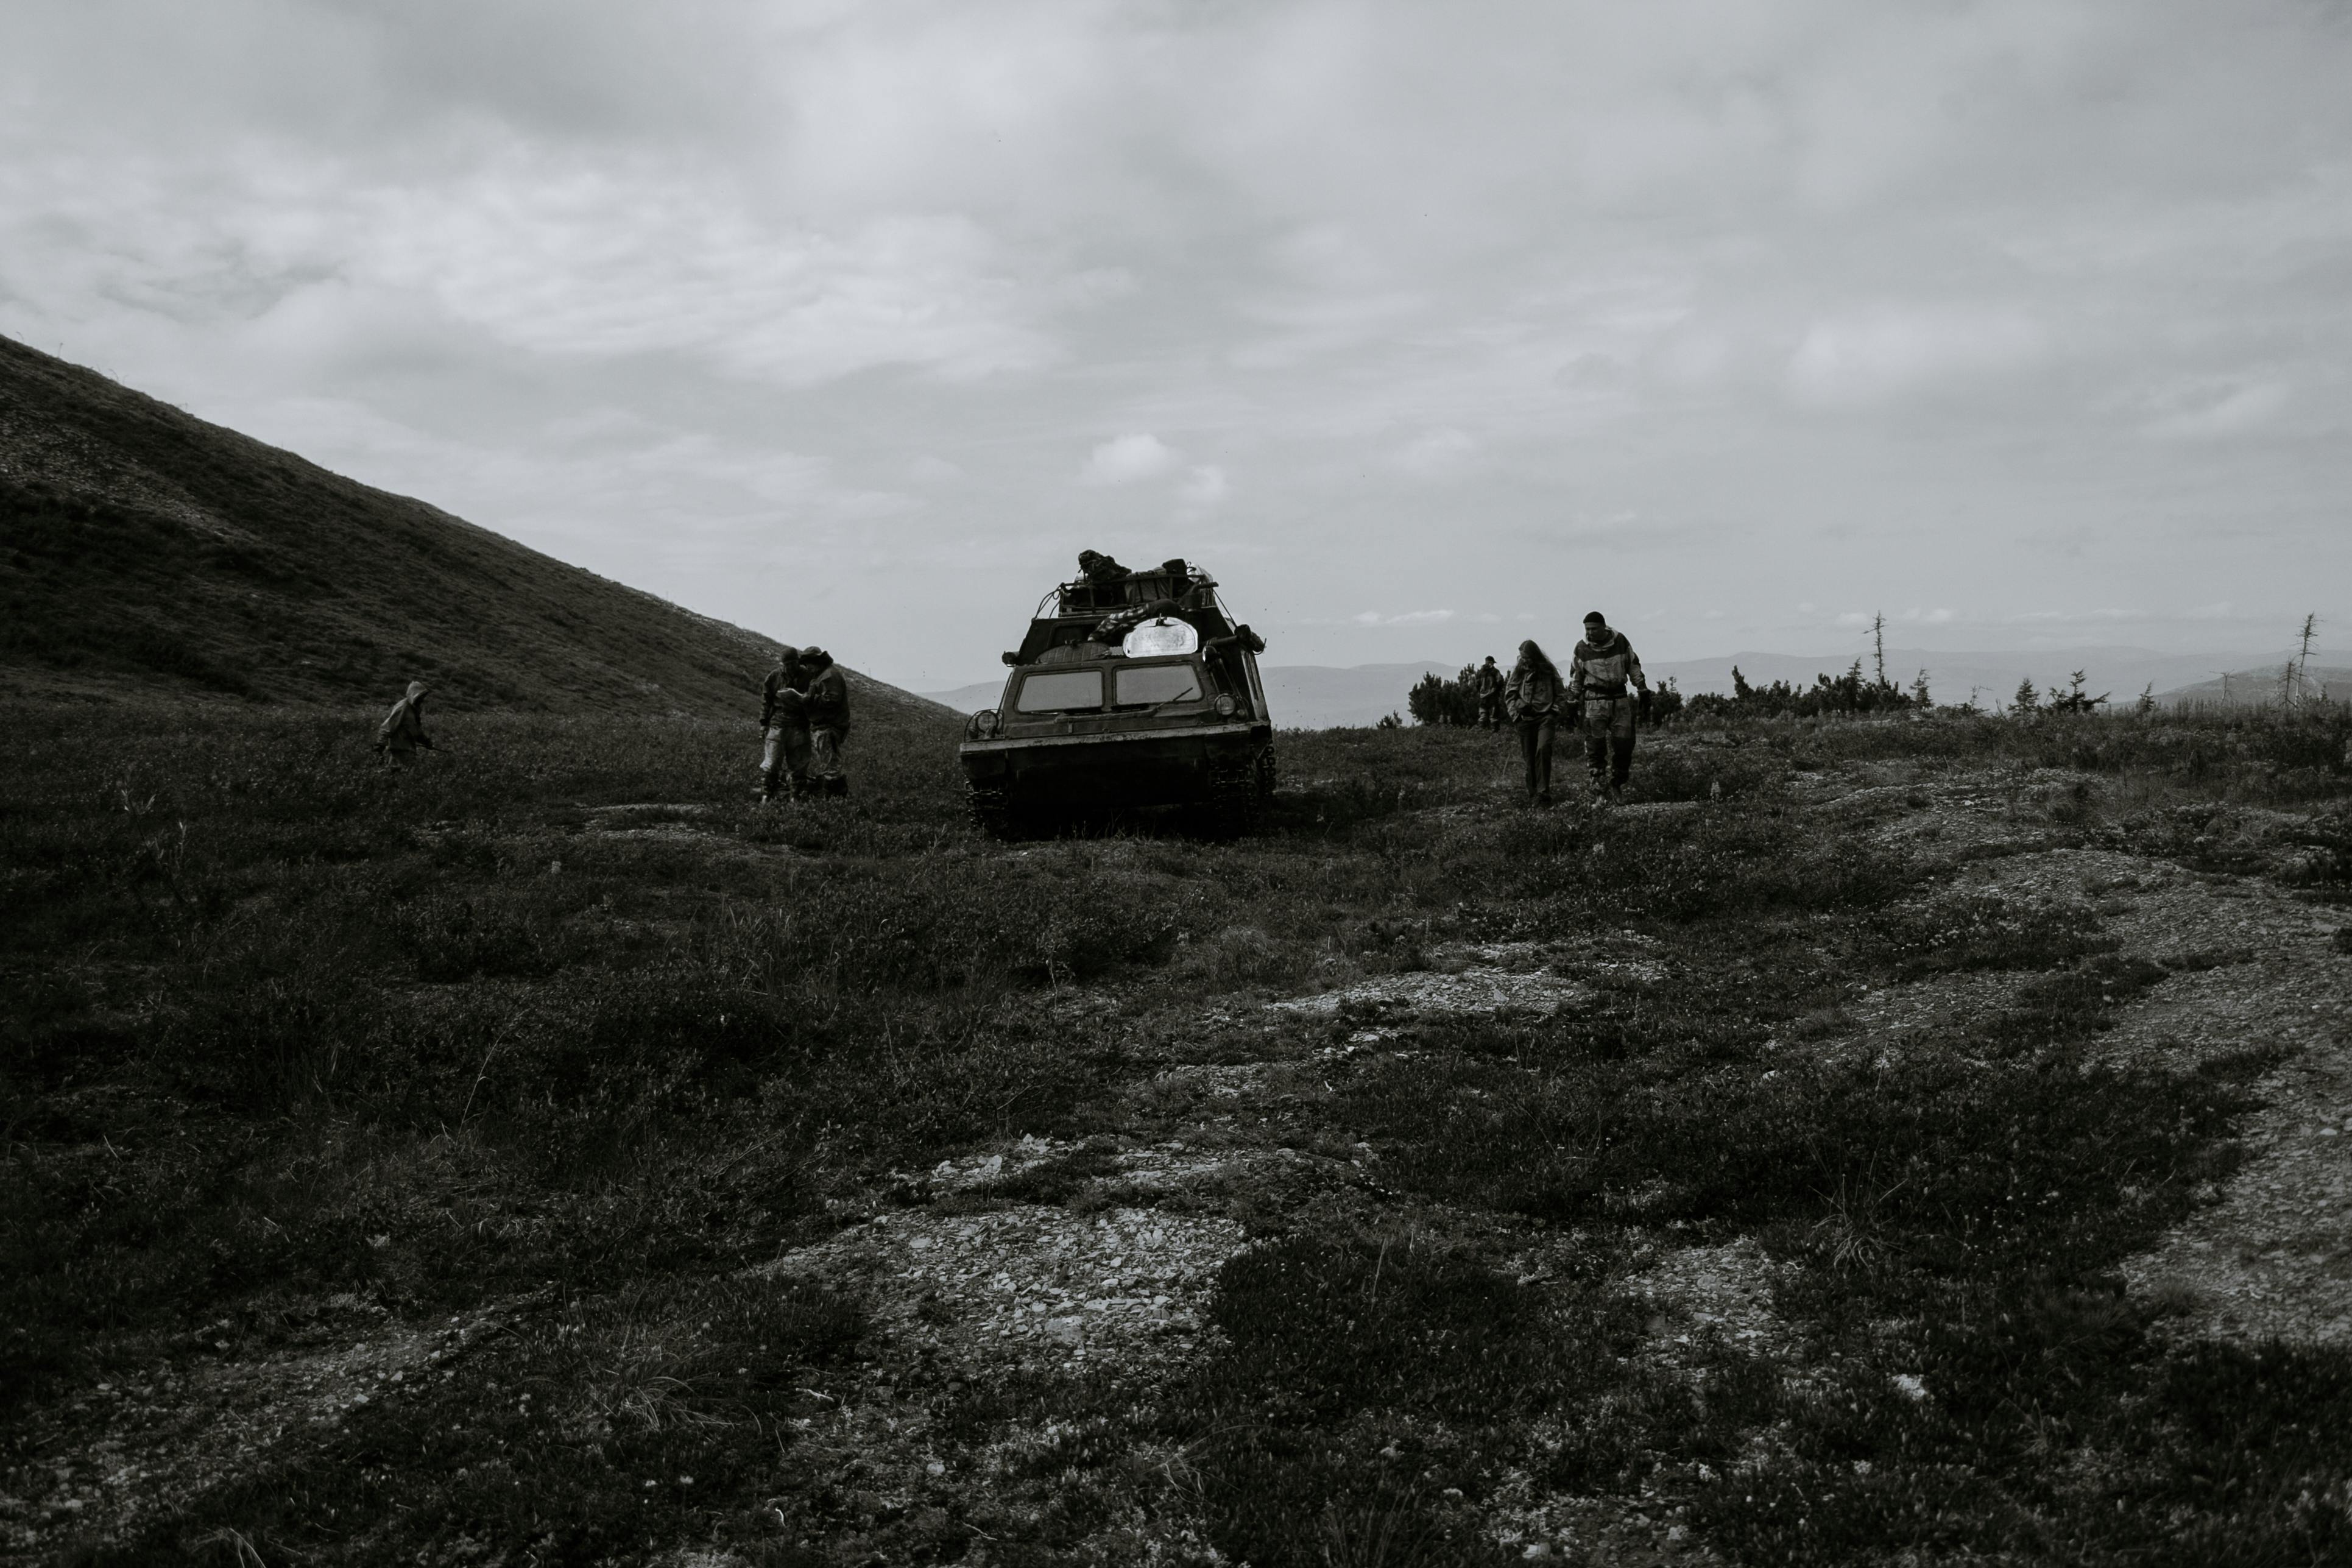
x: 390, y: 725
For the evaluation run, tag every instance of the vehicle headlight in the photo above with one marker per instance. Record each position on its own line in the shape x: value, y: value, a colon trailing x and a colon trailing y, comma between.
x: 984, y: 723
x: 1225, y: 705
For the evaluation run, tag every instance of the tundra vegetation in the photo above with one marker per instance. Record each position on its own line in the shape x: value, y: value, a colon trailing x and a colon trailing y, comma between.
x: 500, y: 1162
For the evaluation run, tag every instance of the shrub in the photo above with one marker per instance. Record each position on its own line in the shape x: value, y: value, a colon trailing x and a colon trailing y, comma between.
x: 1846, y: 694
x: 1437, y: 700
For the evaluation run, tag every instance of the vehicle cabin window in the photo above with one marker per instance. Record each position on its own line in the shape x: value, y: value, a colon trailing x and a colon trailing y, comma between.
x: 1060, y: 692
x: 1154, y: 683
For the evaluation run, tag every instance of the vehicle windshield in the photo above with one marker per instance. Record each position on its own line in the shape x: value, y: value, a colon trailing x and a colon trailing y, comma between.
x: 1060, y: 692
x: 1143, y: 684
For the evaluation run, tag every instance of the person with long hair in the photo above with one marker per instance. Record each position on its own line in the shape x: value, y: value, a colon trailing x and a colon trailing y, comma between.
x: 1533, y: 694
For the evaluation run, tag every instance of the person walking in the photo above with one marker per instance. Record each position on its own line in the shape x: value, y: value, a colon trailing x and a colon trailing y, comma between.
x: 1600, y: 673
x: 1487, y: 686
x: 828, y: 722
x: 784, y: 723
x: 1533, y: 693
x: 402, y: 730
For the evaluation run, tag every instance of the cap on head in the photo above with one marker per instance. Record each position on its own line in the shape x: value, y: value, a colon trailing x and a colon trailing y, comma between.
x: 417, y: 688
x: 816, y: 655
x: 1595, y: 618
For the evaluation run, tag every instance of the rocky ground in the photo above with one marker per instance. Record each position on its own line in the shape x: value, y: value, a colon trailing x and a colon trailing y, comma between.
x: 1089, y: 1259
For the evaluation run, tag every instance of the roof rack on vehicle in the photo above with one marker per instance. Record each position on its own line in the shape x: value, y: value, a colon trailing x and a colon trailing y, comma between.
x: 1191, y: 589
x: 1069, y: 613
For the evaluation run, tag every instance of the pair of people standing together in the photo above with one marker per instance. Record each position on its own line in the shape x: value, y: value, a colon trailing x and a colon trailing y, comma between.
x: 1603, y: 688
x: 805, y: 713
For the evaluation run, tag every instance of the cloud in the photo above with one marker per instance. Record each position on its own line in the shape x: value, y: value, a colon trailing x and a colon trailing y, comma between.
x: 1544, y: 264
x: 1124, y: 459
x: 1407, y: 618
x: 1886, y: 352
x: 571, y: 254
x: 1435, y: 453
x: 526, y: 251
x: 2233, y: 412
x: 1204, y: 486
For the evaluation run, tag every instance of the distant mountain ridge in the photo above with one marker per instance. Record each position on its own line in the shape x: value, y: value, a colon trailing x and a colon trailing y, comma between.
x: 2247, y: 688
x: 145, y: 551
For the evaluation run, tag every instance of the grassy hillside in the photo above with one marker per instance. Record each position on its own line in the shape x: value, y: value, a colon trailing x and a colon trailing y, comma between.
x: 1869, y: 1142
x: 143, y: 549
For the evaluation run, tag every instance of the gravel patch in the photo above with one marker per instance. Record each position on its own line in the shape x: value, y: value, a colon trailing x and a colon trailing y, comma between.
x: 1724, y: 1291
x: 169, y: 1431
x: 1033, y: 1285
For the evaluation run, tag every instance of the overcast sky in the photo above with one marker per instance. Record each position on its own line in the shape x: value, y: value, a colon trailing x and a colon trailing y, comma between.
x: 1424, y: 326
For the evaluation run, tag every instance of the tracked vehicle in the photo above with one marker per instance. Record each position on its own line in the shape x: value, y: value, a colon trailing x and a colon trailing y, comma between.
x: 1131, y: 688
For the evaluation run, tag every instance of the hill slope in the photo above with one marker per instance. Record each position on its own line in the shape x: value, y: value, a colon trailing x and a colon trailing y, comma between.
x: 2260, y: 685
x: 144, y: 550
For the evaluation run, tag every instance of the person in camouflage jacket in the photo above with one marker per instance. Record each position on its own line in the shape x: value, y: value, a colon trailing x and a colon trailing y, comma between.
x: 1606, y: 684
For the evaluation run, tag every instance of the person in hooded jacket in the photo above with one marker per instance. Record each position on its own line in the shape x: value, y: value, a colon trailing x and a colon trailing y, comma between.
x: 402, y: 730
x: 1604, y: 676
x: 1533, y: 693
x: 828, y: 722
